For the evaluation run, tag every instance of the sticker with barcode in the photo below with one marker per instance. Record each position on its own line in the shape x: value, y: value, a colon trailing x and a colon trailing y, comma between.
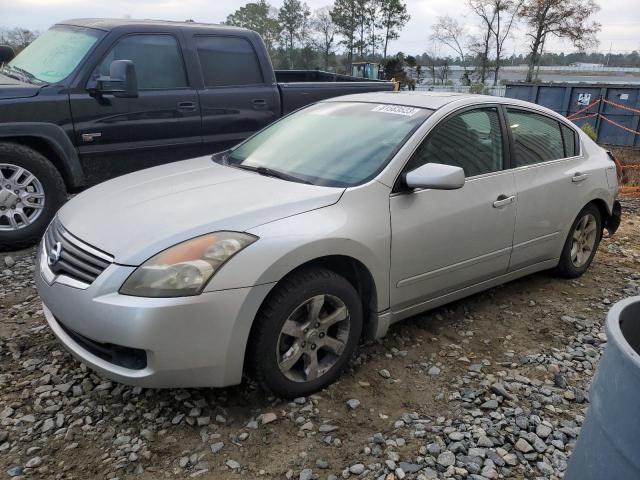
x: 396, y: 109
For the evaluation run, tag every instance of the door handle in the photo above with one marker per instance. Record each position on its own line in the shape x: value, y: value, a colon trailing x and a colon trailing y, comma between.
x: 503, y: 200
x: 259, y: 104
x: 186, y: 106
x: 579, y: 177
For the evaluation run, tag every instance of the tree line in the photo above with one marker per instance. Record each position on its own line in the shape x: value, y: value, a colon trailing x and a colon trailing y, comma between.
x: 364, y: 28
x: 17, y: 38
x: 334, y: 36
x: 498, y: 20
x: 298, y: 37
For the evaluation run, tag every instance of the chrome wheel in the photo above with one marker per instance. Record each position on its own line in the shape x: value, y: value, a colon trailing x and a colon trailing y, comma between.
x: 21, y: 197
x: 584, y: 240
x: 313, y: 338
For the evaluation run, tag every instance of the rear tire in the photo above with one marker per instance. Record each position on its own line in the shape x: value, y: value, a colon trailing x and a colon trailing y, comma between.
x: 40, y: 193
x: 581, y: 244
x: 313, y: 313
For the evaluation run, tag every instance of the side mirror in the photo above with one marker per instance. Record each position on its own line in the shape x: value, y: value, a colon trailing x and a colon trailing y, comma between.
x: 436, y: 176
x: 122, y: 80
x: 6, y: 54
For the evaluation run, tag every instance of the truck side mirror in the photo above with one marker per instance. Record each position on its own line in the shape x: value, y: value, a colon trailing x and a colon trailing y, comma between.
x: 6, y: 54
x: 121, y: 82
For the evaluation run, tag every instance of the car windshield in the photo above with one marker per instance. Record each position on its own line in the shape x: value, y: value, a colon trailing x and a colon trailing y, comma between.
x: 336, y: 144
x: 53, y: 55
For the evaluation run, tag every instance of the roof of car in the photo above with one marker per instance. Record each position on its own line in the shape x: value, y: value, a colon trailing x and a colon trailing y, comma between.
x: 431, y: 100
x: 436, y: 100
x: 111, y: 23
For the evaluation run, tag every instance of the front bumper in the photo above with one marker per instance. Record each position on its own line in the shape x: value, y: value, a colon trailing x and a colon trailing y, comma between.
x: 194, y: 341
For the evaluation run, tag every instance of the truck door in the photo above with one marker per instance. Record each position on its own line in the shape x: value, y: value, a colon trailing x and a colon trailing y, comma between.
x: 119, y: 135
x: 236, y: 99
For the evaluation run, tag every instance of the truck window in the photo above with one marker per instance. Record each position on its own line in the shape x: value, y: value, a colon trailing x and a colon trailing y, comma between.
x: 228, y: 61
x: 157, y: 59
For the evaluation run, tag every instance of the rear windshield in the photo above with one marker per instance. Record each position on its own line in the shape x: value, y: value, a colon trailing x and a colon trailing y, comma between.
x: 338, y: 144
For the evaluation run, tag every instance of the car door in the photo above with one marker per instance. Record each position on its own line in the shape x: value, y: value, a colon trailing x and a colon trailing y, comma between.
x: 549, y: 173
x: 446, y: 240
x: 236, y: 99
x: 119, y: 135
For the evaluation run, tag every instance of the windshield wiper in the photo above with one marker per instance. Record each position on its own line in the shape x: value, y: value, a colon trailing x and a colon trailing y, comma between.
x: 10, y: 73
x: 27, y: 74
x: 269, y: 172
x: 24, y: 74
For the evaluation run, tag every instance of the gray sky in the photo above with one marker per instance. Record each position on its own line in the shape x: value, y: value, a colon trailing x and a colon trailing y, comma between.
x: 620, y: 19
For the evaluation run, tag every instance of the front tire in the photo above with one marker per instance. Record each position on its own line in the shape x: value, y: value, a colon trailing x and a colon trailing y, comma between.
x: 305, y: 333
x: 581, y: 244
x: 31, y: 191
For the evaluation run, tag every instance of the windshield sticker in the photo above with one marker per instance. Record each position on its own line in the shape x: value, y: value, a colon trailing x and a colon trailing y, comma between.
x: 396, y: 109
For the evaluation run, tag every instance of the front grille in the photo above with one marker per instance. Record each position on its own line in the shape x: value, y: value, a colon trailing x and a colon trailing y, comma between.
x: 70, y: 256
x: 126, y: 357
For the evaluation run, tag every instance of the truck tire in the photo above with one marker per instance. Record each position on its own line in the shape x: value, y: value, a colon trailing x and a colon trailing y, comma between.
x: 305, y: 333
x: 31, y: 191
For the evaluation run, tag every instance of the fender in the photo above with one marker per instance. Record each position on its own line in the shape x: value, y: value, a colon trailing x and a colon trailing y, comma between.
x: 613, y: 211
x: 57, y: 139
x: 287, y: 243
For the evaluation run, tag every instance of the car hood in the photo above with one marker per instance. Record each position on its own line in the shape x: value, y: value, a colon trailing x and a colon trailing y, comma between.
x: 135, y: 216
x: 12, y: 88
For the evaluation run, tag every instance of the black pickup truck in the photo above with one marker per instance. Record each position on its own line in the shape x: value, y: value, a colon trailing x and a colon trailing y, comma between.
x: 94, y: 98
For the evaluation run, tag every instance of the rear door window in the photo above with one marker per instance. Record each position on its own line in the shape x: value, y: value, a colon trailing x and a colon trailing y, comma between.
x: 569, y: 138
x: 228, y: 61
x: 537, y: 138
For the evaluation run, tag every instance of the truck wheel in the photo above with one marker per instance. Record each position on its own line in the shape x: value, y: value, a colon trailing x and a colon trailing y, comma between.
x: 31, y: 191
x: 581, y: 244
x: 305, y: 333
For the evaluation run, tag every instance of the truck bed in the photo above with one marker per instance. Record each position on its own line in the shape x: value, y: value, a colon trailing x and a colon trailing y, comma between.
x: 302, y: 87
x: 288, y: 76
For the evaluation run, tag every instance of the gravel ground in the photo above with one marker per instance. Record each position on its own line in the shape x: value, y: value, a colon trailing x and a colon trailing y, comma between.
x: 493, y: 386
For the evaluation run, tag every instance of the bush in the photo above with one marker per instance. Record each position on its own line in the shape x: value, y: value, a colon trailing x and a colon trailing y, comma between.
x: 590, y: 131
x: 479, y: 88
x: 476, y: 87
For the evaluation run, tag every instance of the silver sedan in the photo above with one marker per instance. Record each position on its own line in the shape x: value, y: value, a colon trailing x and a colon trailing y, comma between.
x: 277, y: 256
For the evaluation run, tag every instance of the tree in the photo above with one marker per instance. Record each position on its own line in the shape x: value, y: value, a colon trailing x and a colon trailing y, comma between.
x: 481, y: 45
x: 393, y: 17
x: 392, y: 66
x: 373, y: 13
x: 345, y: 16
x: 260, y: 17
x: 363, y: 13
x: 497, y: 18
x: 18, y: 38
x: 325, y: 30
x: 451, y: 32
x: 293, y: 17
x: 506, y: 14
x: 418, y: 73
x: 430, y: 58
x: 570, y: 19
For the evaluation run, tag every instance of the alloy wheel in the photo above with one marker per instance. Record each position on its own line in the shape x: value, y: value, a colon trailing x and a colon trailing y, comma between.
x: 21, y: 197
x: 313, y: 338
x: 584, y: 240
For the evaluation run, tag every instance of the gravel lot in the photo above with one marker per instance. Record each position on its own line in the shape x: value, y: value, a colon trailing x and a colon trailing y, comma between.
x: 494, y: 386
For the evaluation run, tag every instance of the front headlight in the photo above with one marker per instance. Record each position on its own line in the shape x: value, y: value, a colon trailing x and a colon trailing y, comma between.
x: 185, y: 269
